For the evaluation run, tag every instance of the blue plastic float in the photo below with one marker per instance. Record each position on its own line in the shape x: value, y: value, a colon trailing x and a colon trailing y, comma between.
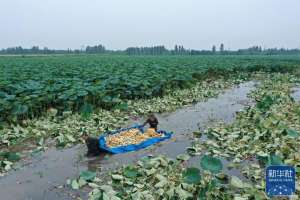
x: 132, y: 147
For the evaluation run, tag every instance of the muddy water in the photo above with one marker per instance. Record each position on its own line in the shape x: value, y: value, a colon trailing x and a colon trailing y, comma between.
x: 44, y: 176
x: 41, y: 175
x: 296, y: 93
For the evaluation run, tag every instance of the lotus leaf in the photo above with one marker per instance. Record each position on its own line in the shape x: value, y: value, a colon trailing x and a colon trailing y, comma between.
x: 211, y: 164
x: 192, y: 175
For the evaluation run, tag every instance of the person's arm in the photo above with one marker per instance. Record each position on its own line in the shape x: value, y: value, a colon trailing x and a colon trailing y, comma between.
x: 146, y: 122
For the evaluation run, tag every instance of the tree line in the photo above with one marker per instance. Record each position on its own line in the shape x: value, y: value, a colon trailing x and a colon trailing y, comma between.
x: 154, y: 50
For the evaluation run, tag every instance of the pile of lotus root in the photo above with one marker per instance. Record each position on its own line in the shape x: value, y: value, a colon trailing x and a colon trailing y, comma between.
x: 132, y: 136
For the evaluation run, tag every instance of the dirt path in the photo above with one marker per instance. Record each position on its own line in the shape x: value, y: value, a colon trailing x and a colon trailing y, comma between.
x: 45, y: 175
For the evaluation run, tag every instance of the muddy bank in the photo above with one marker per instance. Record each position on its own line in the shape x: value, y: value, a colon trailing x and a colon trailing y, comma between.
x: 45, y: 174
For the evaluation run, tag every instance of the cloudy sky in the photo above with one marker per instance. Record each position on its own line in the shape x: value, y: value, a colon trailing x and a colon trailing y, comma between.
x: 119, y: 24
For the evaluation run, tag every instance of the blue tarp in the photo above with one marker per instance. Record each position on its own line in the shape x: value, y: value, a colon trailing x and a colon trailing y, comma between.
x: 132, y: 147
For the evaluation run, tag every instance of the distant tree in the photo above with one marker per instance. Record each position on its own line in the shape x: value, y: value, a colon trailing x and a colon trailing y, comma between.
x: 95, y: 49
x: 214, y: 49
x: 45, y: 50
x: 222, y: 48
x: 176, y: 49
x: 155, y: 50
x: 180, y: 50
x: 35, y: 49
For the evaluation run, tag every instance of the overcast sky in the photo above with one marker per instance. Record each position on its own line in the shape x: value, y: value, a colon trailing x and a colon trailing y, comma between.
x: 118, y: 24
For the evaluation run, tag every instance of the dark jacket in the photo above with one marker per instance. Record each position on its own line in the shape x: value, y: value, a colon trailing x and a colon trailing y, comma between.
x: 152, y: 122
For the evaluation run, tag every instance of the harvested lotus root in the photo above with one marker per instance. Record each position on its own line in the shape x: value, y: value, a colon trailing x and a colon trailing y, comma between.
x: 132, y: 136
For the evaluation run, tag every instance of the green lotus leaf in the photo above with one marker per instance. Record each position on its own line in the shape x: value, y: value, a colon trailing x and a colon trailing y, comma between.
x: 274, y: 160
x: 10, y: 156
x: 87, y: 175
x: 192, y: 175
x: 130, y: 172
x: 214, y: 165
x: 292, y: 133
x: 20, y: 109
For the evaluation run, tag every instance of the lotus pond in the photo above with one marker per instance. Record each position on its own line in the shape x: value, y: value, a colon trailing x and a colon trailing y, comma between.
x: 42, y: 105
x: 29, y: 86
x: 263, y: 134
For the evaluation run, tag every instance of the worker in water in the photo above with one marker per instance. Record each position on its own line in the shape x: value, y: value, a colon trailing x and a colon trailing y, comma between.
x: 152, y: 121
